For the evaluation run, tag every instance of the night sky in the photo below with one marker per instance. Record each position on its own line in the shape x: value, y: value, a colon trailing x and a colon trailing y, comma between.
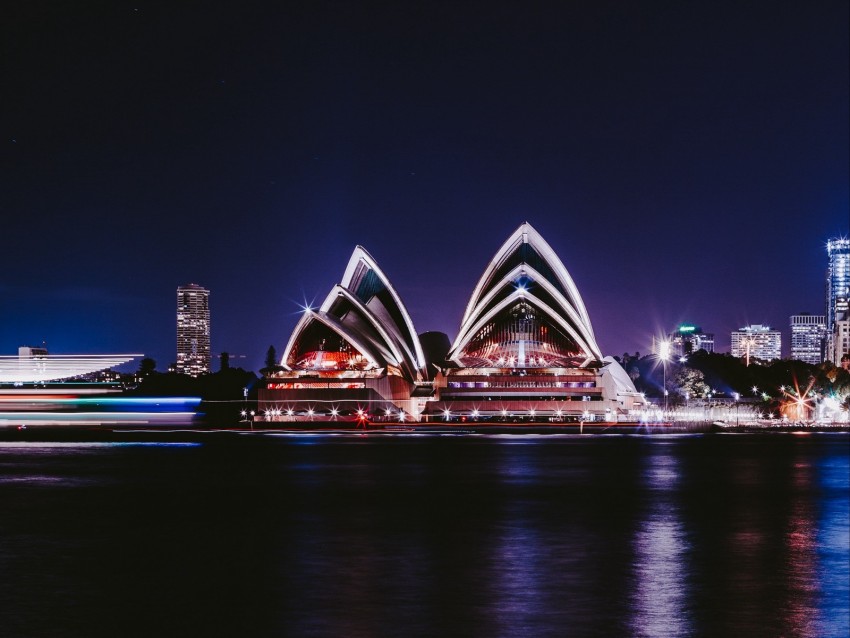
x: 686, y: 160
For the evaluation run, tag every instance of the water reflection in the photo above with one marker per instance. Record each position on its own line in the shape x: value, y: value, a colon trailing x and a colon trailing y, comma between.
x: 832, y: 542
x: 748, y: 526
x: 538, y: 576
x: 800, y: 613
x: 592, y: 536
x: 658, y: 601
x: 559, y: 542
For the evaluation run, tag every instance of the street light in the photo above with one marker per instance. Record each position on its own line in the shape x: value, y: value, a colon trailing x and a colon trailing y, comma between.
x: 748, y: 342
x: 245, y: 401
x: 664, y: 355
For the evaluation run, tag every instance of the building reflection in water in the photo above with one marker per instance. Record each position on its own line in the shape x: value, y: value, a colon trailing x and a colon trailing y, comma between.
x: 559, y: 543
x: 748, y: 527
x: 787, y: 571
x: 832, y: 540
x: 659, y: 597
x: 768, y: 549
x: 534, y: 576
x: 799, y: 612
x: 620, y: 537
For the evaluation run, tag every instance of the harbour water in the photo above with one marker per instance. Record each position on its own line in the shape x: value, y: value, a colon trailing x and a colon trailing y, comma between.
x: 428, y: 535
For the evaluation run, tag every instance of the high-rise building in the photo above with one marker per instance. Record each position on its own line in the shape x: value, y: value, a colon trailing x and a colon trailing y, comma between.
x: 837, y: 297
x: 193, y: 330
x: 686, y: 340
x: 757, y: 342
x: 808, y: 334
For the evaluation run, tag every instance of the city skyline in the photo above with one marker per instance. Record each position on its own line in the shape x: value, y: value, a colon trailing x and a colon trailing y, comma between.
x: 205, y: 363
x: 688, y: 164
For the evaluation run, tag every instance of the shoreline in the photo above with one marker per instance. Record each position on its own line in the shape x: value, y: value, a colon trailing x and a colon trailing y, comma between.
x: 189, y: 433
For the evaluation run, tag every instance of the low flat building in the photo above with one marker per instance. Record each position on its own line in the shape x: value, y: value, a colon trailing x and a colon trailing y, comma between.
x: 36, y: 365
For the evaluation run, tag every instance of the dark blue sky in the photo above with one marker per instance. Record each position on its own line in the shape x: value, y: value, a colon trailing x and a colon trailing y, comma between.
x: 687, y: 161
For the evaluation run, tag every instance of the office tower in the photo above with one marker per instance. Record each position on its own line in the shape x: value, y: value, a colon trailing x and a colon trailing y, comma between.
x: 686, y: 340
x: 193, y: 330
x: 837, y: 298
x: 808, y: 334
x: 757, y: 342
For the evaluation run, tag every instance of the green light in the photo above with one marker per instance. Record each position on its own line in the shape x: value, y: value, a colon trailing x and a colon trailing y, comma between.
x: 687, y: 328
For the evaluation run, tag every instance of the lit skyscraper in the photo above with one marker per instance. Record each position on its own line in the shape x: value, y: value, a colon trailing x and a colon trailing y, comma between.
x: 193, y: 330
x: 837, y: 298
x: 757, y: 342
x: 808, y: 333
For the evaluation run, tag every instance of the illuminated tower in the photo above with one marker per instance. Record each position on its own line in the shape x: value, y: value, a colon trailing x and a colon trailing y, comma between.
x: 837, y: 298
x: 193, y: 330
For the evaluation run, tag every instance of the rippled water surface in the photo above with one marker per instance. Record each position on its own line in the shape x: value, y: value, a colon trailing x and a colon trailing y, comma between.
x: 705, y: 535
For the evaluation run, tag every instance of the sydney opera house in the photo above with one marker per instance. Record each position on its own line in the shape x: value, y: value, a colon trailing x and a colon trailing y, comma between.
x: 525, y: 351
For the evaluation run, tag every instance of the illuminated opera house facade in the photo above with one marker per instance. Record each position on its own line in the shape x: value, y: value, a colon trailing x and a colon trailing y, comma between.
x: 525, y: 351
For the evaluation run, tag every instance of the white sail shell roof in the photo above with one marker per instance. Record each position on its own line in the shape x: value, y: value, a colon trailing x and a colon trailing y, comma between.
x: 526, y: 256
x: 365, y: 310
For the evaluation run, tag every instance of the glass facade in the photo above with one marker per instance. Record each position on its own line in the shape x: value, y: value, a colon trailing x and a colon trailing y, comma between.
x: 320, y: 348
x: 837, y: 296
x: 519, y: 337
x: 837, y: 280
